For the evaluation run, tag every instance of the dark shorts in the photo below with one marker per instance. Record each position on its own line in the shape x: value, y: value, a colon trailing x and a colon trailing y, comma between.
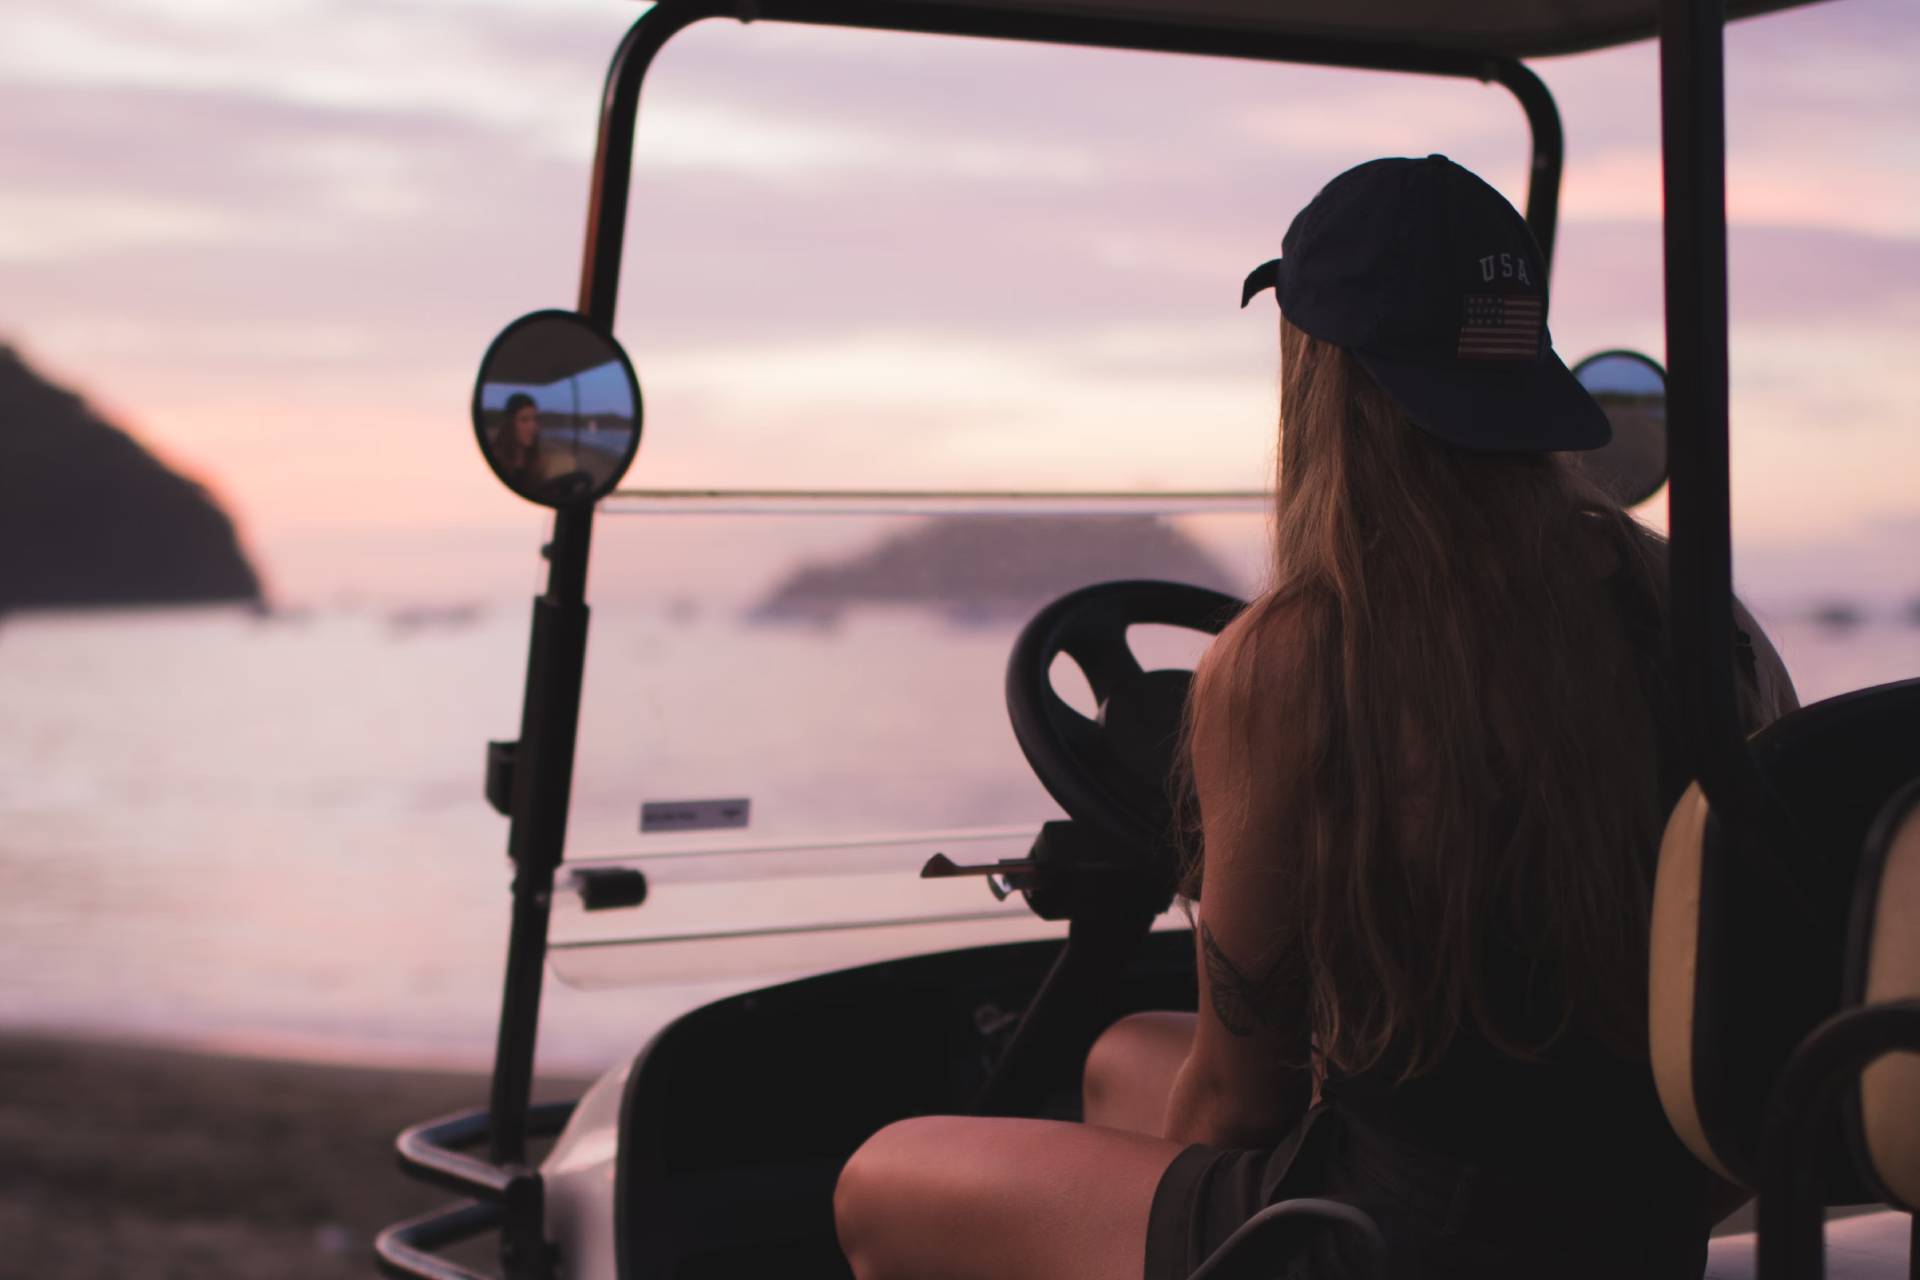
x: 1439, y: 1218
x: 1207, y: 1193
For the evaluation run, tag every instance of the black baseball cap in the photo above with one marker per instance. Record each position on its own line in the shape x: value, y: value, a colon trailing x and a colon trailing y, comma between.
x: 1436, y: 285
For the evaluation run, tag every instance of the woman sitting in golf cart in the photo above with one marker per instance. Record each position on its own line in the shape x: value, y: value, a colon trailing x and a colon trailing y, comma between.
x: 1432, y: 766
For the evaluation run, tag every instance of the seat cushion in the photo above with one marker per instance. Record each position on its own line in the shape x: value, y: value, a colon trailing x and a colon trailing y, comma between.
x: 1885, y: 966
x: 1750, y: 944
x: 1674, y: 942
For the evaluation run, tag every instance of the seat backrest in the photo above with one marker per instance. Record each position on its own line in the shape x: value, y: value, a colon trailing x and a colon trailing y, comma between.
x: 1749, y: 950
x: 1884, y: 966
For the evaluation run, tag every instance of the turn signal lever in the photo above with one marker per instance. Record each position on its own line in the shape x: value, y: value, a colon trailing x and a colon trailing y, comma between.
x: 1071, y: 874
x: 1002, y: 877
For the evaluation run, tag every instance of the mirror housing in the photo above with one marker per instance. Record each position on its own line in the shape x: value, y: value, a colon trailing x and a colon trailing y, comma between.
x: 1632, y: 390
x: 556, y: 409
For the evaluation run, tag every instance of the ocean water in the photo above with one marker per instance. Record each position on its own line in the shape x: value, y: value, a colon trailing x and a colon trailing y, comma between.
x: 267, y: 833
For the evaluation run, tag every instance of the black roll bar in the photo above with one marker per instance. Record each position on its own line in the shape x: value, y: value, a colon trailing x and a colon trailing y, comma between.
x: 1699, y: 502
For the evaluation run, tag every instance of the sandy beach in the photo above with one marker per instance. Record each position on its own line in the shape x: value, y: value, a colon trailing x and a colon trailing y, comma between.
x: 124, y: 1161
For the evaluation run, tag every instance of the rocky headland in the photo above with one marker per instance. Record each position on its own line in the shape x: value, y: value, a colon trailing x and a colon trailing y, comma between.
x: 981, y: 568
x: 90, y: 517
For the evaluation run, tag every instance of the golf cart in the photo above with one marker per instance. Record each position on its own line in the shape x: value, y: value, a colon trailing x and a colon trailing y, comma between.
x: 1783, y: 966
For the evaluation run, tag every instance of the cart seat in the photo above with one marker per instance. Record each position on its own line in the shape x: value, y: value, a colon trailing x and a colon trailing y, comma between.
x: 1749, y: 952
x: 1885, y: 966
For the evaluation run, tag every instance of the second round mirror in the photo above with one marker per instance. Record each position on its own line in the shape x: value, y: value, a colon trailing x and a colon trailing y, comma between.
x: 1632, y: 389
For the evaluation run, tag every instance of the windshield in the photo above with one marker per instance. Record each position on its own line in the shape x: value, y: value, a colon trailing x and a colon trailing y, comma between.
x: 791, y: 706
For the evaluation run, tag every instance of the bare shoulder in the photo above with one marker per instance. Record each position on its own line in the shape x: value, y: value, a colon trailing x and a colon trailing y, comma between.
x: 1251, y: 715
x: 1256, y: 668
x: 1261, y: 646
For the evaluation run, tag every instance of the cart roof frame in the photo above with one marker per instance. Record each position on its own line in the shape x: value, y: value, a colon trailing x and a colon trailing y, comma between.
x: 1504, y: 28
x: 1159, y: 28
x: 1476, y: 39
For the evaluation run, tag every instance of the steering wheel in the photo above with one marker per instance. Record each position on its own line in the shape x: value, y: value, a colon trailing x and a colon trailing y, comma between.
x: 1110, y: 773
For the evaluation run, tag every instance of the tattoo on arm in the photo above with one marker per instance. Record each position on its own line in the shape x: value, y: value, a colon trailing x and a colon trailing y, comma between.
x: 1243, y: 1003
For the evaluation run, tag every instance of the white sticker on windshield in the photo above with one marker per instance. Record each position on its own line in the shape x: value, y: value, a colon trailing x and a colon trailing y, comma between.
x: 693, y: 815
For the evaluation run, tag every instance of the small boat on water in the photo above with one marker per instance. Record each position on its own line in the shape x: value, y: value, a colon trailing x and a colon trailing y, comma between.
x: 1784, y: 970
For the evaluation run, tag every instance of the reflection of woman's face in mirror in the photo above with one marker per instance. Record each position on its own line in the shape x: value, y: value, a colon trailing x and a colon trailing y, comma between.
x: 516, y: 439
x: 526, y: 425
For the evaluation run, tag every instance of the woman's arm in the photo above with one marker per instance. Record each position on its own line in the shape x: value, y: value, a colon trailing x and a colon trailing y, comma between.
x: 1245, y: 1083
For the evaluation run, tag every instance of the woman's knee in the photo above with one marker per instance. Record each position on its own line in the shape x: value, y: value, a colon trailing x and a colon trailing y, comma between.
x: 856, y: 1198
x: 1107, y: 1065
x: 877, y: 1190
x: 1131, y: 1067
x: 971, y: 1198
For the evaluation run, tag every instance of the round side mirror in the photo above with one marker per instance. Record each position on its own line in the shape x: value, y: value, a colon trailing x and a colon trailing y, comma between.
x: 556, y: 409
x: 1632, y: 389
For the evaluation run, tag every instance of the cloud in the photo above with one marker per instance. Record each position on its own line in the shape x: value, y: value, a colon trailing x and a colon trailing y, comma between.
x: 280, y: 232
x: 504, y: 65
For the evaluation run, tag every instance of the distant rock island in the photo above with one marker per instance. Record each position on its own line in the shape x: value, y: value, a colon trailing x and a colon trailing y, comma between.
x: 88, y: 517
x: 979, y: 568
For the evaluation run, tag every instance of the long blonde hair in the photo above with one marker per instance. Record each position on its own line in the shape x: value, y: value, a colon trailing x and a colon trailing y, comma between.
x: 1482, y: 771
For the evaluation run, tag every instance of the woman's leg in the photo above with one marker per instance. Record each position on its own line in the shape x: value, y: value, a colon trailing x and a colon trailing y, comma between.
x: 1130, y: 1071
x: 967, y: 1198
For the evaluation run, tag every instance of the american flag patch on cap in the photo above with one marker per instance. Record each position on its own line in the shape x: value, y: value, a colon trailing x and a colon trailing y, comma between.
x: 1501, y: 326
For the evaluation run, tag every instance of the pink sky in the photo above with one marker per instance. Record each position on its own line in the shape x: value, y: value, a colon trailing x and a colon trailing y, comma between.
x: 273, y: 238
